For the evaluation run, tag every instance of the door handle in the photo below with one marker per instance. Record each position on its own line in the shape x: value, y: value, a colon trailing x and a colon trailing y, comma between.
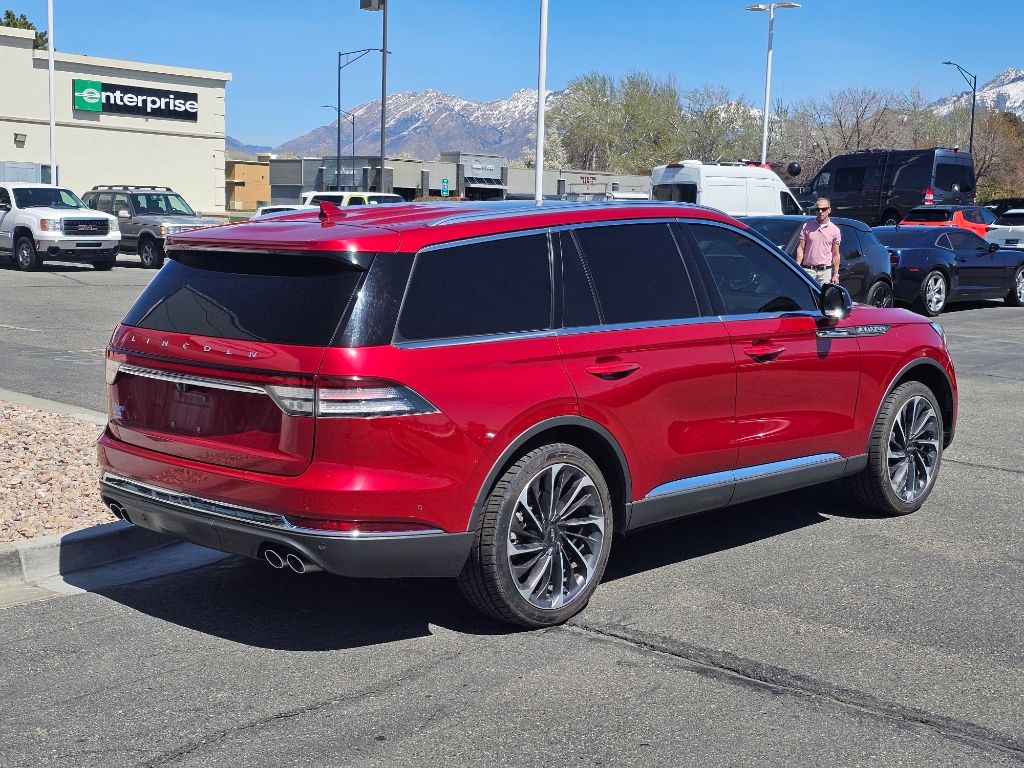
x: 617, y: 370
x: 764, y: 352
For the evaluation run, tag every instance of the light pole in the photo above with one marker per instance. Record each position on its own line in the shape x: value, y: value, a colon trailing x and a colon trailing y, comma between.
x: 351, y: 57
x: 337, y: 158
x: 542, y: 67
x: 973, y: 82
x: 771, y: 8
x: 381, y: 5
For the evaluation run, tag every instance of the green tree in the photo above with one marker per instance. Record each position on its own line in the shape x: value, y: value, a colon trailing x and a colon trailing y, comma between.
x: 586, y: 118
x: 716, y: 126
x: 650, y: 123
x: 10, y: 19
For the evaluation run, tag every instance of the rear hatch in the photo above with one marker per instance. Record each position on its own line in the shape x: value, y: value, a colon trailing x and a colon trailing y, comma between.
x: 216, y: 361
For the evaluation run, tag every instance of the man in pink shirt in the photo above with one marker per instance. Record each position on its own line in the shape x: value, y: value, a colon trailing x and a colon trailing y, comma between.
x: 818, y: 249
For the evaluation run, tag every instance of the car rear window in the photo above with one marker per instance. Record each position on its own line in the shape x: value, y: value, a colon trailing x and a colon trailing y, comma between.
x: 276, y: 298
x: 1011, y: 219
x: 676, y: 193
x: 779, y: 232
x: 928, y: 214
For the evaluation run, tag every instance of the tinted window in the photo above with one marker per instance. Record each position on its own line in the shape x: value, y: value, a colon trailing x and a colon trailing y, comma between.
x: 1007, y: 219
x: 987, y: 217
x: 47, y: 197
x: 946, y: 175
x: 495, y: 286
x: 579, y: 307
x: 357, y: 201
x: 973, y: 215
x: 676, y: 193
x: 821, y: 183
x: 929, y: 214
x: 914, y: 175
x: 789, y: 205
x: 750, y: 278
x: 849, y: 244
x: 966, y: 240
x: 943, y: 242
x: 779, y: 231
x: 258, y: 297
x: 121, y: 203
x: 849, y: 179
x: 637, y: 272
x: 5, y: 197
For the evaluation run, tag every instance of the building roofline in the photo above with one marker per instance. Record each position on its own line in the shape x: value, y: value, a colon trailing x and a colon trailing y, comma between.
x: 135, y: 66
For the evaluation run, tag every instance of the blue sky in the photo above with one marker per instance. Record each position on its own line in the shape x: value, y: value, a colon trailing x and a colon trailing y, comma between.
x: 282, y: 55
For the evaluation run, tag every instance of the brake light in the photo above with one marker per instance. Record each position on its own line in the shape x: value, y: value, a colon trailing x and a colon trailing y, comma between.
x: 929, y: 196
x: 357, y: 527
x: 894, y: 258
x: 352, y: 397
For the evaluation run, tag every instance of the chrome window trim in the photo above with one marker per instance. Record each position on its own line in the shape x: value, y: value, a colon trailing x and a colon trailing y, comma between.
x: 854, y: 331
x: 644, y: 324
x: 236, y: 513
x: 770, y: 316
x: 456, y: 341
x: 757, y: 471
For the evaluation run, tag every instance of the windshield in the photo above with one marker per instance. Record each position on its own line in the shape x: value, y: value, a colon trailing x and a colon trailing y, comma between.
x: 1013, y: 219
x: 160, y: 203
x: 929, y: 214
x: 47, y: 197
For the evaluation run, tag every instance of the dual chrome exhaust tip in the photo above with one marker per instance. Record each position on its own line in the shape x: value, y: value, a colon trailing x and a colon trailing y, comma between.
x: 281, y: 559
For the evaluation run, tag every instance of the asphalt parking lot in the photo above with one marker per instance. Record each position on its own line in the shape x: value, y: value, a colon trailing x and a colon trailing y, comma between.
x: 792, y: 631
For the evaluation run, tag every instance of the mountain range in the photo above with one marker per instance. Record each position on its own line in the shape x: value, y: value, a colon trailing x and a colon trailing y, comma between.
x: 422, y: 125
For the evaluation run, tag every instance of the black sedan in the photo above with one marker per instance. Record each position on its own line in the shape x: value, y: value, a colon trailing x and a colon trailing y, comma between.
x: 935, y: 265
x: 863, y: 261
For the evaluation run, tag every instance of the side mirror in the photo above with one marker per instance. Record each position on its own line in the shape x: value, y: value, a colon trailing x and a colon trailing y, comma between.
x: 123, y: 214
x: 836, y: 303
x: 5, y: 206
x: 992, y: 247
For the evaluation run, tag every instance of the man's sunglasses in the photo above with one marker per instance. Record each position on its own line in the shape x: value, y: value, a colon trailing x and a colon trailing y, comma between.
x: 821, y: 210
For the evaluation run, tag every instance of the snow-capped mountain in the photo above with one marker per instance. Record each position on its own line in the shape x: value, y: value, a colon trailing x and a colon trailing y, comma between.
x: 425, y: 124
x: 1004, y: 92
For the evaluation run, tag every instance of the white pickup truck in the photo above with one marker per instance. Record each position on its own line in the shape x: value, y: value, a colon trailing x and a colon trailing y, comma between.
x: 43, y: 221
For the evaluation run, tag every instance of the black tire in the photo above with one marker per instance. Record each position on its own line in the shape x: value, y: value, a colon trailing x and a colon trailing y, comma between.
x: 488, y: 580
x: 891, y: 218
x: 104, y: 266
x: 874, y: 486
x: 1015, y: 298
x: 932, y: 295
x: 879, y: 295
x: 25, y: 256
x: 151, y: 253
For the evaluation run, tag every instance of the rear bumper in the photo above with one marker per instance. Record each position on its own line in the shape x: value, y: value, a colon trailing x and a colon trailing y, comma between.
x: 246, y: 531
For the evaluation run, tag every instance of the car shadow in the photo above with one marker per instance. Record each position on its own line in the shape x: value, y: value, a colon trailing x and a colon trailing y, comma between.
x: 249, y: 603
x: 70, y: 266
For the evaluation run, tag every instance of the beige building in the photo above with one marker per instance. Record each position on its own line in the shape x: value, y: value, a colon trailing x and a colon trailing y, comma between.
x: 248, y: 183
x: 118, y: 122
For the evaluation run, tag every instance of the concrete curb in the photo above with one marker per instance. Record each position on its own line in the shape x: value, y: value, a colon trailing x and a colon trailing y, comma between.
x: 52, y: 406
x: 45, y: 556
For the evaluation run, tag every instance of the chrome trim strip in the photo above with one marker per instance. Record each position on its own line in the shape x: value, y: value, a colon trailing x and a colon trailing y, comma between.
x: 464, y: 340
x: 703, y: 319
x: 771, y: 316
x: 743, y: 474
x: 195, y: 381
x: 854, y: 332
x: 238, y: 514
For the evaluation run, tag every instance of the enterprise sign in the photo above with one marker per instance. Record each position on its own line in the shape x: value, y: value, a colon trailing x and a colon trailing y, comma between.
x: 94, y: 96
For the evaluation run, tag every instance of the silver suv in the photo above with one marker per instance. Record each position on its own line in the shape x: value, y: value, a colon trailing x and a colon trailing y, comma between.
x: 147, y: 215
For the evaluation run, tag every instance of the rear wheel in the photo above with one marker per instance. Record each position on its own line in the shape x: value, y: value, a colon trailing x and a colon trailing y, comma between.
x: 544, y: 539
x: 891, y: 218
x: 904, y: 453
x: 879, y: 295
x: 1015, y: 298
x: 25, y: 256
x: 931, y: 298
x: 151, y: 254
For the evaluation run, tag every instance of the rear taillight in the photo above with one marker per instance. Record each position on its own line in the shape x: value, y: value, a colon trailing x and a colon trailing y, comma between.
x: 350, y: 397
x: 894, y: 258
x: 929, y: 196
x: 357, y: 527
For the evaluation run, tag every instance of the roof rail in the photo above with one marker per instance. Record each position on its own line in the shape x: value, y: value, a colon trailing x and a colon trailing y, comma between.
x: 132, y: 186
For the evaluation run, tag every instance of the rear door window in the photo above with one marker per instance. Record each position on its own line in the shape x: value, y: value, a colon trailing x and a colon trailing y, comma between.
x: 947, y: 175
x: 494, y: 286
x: 637, y: 273
x: 750, y: 278
x: 850, y: 243
x: 676, y: 193
x: 275, y: 298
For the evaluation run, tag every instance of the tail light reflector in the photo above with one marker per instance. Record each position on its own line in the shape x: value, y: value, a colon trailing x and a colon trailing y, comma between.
x: 929, y: 196
x: 352, y: 397
x: 357, y: 526
x: 894, y: 258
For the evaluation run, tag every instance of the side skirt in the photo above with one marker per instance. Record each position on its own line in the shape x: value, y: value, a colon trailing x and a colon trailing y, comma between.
x: 689, y: 496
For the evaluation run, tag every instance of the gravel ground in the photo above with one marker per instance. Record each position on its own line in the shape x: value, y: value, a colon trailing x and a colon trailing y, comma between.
x: 47, y: 474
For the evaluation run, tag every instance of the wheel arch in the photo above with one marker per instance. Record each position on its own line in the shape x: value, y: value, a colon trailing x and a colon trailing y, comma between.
x: 932, y: 375
x: 22, y: 230
x: 590, y: 437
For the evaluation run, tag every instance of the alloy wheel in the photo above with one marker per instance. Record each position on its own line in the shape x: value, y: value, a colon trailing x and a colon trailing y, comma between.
x: 935, y: 292
x: 1019, y: 287
x: 555, y: 536
x: 25, y: 255
x: 881, y: 296
x: 913, y: 451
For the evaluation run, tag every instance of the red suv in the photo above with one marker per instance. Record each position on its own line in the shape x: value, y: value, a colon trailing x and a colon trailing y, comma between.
x: 495, y: 391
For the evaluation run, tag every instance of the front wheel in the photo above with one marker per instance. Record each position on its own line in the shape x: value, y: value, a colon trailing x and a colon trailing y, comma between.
x: 543, y: 543
x: 151, y: 254
x: 904, y: 453
x: 1015, y: 298
x: 931, y: 299
x: 25, y: 256
x: 879, y: 295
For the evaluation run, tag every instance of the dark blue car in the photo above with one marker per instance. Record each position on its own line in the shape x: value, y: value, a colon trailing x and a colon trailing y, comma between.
x: 932, y: 266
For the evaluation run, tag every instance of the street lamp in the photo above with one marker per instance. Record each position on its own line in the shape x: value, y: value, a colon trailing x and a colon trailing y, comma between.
x: 973, y: 82
x: 771, y: 8
x: 337, y: 157
x: 351, y: 57
x: 381, y: 5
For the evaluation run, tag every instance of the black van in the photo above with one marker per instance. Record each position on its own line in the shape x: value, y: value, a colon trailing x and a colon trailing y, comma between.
x: 880, y: 186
